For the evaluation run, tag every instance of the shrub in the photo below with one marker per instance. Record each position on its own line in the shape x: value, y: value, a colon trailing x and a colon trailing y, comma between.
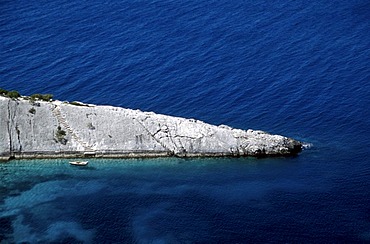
x: 32, y: 110
x: 43, y: 97
x: 3, y: 91
x: 48, y: 97
x: 60, y: 132
x: 11, y: 94
x: 60, y: 135
x: 34, y: 97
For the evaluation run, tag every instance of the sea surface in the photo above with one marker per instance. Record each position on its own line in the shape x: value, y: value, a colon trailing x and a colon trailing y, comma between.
x: 296, y: 68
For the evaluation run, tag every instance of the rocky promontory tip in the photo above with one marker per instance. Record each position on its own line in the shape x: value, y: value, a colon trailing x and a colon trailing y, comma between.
x: 33, y: 128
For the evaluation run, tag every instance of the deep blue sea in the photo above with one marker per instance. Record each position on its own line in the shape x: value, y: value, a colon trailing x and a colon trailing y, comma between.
x: 296, y: 68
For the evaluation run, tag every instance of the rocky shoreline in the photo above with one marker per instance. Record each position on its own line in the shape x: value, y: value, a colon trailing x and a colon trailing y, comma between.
x: 33, y: 129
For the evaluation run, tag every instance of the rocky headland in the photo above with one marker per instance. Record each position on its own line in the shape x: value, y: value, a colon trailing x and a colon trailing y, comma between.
x: 32, y: 128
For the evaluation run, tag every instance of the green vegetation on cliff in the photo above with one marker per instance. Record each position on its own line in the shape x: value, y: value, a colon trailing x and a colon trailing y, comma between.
x: 43, y: 97
x: 15, y: 94
x: 60, y: 135
x: 11, y: 94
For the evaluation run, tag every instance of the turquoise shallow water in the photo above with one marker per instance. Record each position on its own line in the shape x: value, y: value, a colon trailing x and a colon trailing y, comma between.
x: 182, y: 200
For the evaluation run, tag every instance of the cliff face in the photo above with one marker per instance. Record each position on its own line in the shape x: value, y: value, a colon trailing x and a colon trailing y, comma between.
x: 56, y: 129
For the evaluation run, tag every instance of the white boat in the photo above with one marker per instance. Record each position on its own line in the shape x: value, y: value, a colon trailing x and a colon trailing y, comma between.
x: 79, y: 163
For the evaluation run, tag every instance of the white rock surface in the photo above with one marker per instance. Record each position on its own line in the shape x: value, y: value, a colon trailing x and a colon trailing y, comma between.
x: 29, y: 130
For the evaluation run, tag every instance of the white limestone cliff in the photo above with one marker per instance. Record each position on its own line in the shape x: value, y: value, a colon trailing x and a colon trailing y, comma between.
x: 59, y: 129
